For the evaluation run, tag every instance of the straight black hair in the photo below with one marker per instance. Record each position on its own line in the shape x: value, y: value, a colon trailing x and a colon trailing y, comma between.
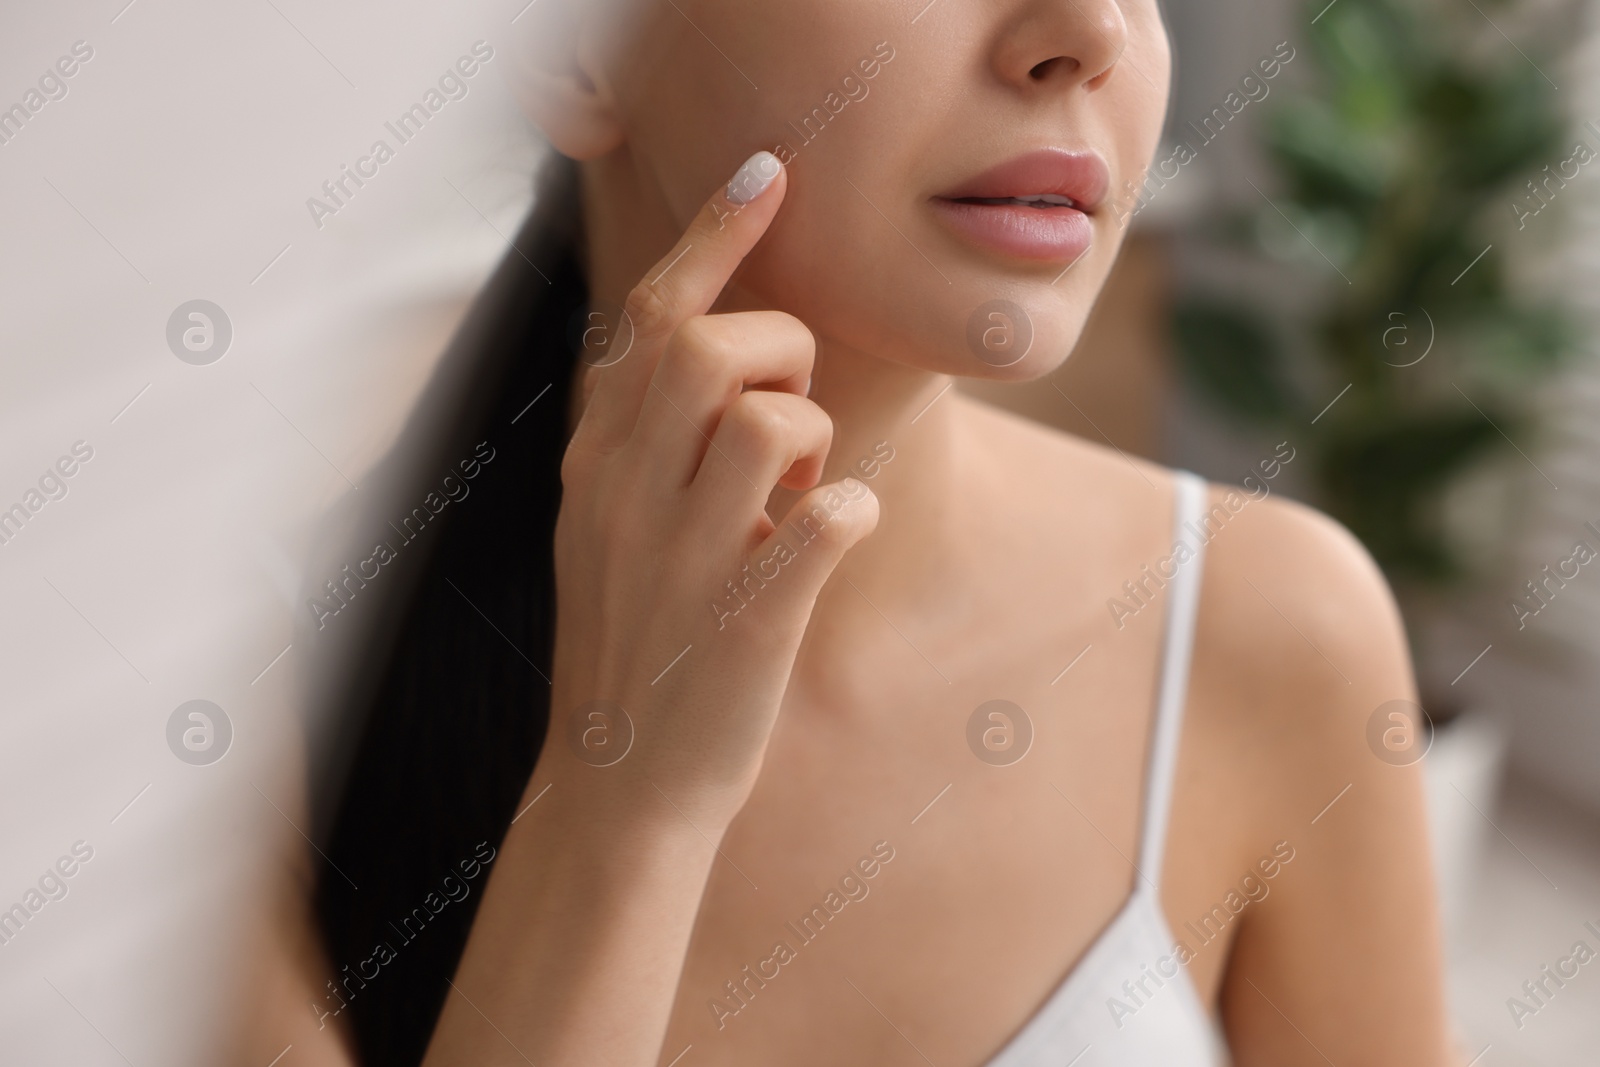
x: 446, y: 710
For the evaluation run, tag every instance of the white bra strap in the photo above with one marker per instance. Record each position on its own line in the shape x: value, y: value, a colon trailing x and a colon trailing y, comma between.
x: 1183, y: 600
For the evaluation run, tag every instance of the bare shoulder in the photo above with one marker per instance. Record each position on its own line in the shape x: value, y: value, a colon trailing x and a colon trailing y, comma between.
x: 1299, y: 643
x: 1300, y: 649
x: 1296, y: 616
x: 1296, y: 604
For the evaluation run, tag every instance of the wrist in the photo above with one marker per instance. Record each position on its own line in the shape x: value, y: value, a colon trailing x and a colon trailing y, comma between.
x: 625, y: 774
x: 626, y: 804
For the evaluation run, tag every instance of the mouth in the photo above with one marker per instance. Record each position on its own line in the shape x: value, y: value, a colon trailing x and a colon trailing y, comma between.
x: 1038, y: 206
x: 1043, y: 200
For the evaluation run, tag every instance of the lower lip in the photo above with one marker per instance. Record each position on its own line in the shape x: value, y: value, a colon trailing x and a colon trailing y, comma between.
x: 1052, y: 235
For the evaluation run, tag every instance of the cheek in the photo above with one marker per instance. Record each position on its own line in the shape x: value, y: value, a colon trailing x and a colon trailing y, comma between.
x: 698, y: 109
x: 1133, y: 112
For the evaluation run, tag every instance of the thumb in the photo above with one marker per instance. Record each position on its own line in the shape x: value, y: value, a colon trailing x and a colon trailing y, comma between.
x: 801, y: 553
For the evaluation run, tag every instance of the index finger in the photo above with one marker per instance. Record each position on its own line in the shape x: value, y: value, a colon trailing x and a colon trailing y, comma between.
x: 683, y: 284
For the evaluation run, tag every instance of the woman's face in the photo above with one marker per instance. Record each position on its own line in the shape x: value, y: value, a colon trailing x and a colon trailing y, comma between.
x: 908, y: 129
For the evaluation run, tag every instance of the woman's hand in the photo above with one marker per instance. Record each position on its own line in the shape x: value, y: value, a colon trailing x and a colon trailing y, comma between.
x: 677, y: 598
x: 579, y: 941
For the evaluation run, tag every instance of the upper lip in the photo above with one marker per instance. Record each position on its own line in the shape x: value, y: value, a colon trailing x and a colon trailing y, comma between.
x: 1081, y: 177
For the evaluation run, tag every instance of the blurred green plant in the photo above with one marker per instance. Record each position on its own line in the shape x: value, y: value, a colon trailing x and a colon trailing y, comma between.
x: 1398, y: 168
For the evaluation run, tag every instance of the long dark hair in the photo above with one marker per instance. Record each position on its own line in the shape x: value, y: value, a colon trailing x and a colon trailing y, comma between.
x: 446, y: 712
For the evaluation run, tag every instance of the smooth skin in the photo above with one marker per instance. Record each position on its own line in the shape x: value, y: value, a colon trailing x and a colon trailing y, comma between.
x: 829, y: 715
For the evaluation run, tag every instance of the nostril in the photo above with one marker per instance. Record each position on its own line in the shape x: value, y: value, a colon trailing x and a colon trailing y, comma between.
x: 1041, y: 71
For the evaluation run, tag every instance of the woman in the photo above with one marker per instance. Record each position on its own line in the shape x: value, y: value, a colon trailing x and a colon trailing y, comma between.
x: 883, y: 727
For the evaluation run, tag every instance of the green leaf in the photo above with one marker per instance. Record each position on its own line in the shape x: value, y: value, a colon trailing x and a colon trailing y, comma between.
x: 1325, y: 159
x: 1489, y: 129
x: 1519, y: 342
x: 1231, y: 356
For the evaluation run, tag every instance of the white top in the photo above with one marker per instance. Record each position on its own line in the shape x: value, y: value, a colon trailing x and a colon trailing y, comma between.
x: 1129, y: 1002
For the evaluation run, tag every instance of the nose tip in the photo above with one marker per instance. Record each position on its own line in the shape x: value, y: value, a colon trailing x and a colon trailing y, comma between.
x: 1076, y: 41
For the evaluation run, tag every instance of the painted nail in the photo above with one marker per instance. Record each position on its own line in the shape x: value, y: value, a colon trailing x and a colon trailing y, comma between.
x: 754, y: 178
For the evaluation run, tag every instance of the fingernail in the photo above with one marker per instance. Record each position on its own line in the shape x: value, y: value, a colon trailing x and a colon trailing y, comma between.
x: 754, y: 178
x: 808, y: 387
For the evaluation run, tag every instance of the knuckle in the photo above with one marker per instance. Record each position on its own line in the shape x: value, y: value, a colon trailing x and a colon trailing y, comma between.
x: 585, y: 454
x: 698, y: 334
x: 779, y: 332
x: 789, y: 324
x: 647, y: 310
x: 699, y: 350
x: 577, y: 463
x: 817, y: 420
x: 759, y: 422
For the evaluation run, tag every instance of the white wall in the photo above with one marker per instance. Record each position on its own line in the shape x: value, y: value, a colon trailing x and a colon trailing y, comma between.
x: 178, y: 166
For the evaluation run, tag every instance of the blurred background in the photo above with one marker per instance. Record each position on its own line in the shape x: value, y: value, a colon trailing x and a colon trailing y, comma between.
x: 1382, y: 252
